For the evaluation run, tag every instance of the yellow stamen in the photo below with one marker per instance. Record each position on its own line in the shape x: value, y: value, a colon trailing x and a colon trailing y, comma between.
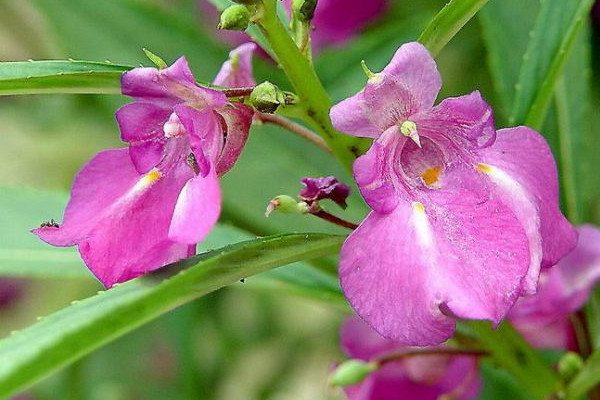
x: 431, y: 175
x: 418, y: 207
x: 152, y: 176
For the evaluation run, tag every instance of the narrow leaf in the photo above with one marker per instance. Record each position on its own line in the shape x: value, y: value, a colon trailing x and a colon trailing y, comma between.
x: 69, y: 334
x: 36, y: 77
x: 552, y: 38
x: 448, y: 22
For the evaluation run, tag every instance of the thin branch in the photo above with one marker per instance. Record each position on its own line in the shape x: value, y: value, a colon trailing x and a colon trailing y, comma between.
x: 386, y: 358
x: 333, y: 219
x: 295, y: 128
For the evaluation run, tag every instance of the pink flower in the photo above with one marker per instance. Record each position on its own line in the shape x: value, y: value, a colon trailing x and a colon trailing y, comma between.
x: 463, y: 217
x: 412, y: 378
x: 134, y: 210
x: 316, y: 189
x: 543, y: 319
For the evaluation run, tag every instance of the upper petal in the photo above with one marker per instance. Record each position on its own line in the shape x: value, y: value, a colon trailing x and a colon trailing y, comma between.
x: 409, y: 84
x: 169, y: 86
x: 197, y: 209
x: 142, y: 121
x: 237, y: 71
x: 466, y: 120
x: 523, y: 156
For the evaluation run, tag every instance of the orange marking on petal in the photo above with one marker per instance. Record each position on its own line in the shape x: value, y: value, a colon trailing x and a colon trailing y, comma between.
x: 431, y: 175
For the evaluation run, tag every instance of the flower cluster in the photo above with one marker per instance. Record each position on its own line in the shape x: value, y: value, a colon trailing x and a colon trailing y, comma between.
x: 135, y: 209
x: 463, y: 216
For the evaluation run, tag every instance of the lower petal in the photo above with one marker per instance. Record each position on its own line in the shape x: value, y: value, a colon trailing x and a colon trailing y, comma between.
x: 197, y: 209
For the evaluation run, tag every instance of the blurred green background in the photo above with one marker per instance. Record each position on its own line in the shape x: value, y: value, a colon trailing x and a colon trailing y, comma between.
x: 254, y: 340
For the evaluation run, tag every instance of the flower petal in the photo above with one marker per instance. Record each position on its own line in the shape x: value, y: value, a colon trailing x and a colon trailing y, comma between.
x: 197, y: 209
x: 237, y: 71
x: 524, y: 156
x: 467, y: 120
x: 360, y: 341
x: 120, y: 219
x: 140, y: 121
x: 147, y: 154
x: 238, y: 119
x: 169, y: 86
x: 457, y: 250
x: 408, y: 85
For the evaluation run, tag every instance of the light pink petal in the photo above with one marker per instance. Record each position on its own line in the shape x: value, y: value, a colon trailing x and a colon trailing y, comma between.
x: 120, y: 219
x: 169, y: 86
x: 385, y: 277
x: 147, y: 154
x: 361, y: 342
x: 237, y: 71
x: 205, y: 133
x: 466, y: 120
x: 408, y: 85
x: 197, y: 209
x: 237, y: 120
x: 524, y: 156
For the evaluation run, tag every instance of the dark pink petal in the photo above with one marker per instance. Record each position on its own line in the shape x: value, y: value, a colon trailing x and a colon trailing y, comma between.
x: 408, y: 85
x: 524, y: 156
x: 237, y: 119
x: 139, y: 121
x: 361, y: 342
x: 205, y: 134
x: 197, y: 209
x: 147, y: 154
x: 465, y: 120
x: 169, y: 86
x: 120, y: 219
x: 237, y: 71
x: 459, y: 251
x: 316, y: 189
x: 563, y: 289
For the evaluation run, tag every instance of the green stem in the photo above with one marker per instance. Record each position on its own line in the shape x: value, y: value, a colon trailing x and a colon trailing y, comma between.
x: 448, y: 22
x: 566, y: 151
x: 307, y: 85
x: 511, y: 351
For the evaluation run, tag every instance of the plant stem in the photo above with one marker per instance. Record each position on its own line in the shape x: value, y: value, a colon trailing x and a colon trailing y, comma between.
x: 294, y: 128
x: 386, y: 358
x: 237, y: 92
x: 313, y: 96
x: 333, y: 219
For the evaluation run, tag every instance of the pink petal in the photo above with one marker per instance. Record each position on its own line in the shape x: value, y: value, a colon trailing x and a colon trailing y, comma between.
x: 525, y: 157
x: 408, y: 85
x: 197, y: 209
x: 360, y: 341
x: 205, y: 133
x: 120, y: 219
x: 147, y: 154
x: 237, y: 71
x: 238, y: 119
x: 140, y: 121
x: 466, y: 120
x: 464, y: 253
x: 169, y: 86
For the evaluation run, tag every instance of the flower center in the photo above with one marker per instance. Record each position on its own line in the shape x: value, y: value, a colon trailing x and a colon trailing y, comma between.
x: 424, y: 164
x: 409, y: 129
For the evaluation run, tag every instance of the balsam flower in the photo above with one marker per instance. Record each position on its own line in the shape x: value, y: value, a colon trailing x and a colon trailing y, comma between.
x: 463, y: 217
x: 412, y: 378
x: 134, y: 210
x: 543, y: 319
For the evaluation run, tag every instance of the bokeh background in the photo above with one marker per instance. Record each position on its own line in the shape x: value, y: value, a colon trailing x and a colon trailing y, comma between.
x: 255, y: 340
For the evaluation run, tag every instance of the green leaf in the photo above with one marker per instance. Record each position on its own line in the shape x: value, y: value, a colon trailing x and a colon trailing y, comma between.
x: 35, y: 77
x: 448, y: 22
x: 22, y: 254
x: 67, y: 335
x: 514, y: 354
x: 586, y: 379
x: 552, y: 38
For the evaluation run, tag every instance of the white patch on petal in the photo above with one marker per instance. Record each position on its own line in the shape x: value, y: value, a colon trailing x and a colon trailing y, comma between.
x: 422, y: 227
x: 520, y: 202
x: 143, y: 184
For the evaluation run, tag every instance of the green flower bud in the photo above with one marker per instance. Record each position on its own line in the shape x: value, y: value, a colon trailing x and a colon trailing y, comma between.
x: 286, y: 205
x: 569, y: 365
x: 352, y: 372
x: 156, y: 60
x: 266, y: 98
x: 235, y: 18
x: 304, y: 10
